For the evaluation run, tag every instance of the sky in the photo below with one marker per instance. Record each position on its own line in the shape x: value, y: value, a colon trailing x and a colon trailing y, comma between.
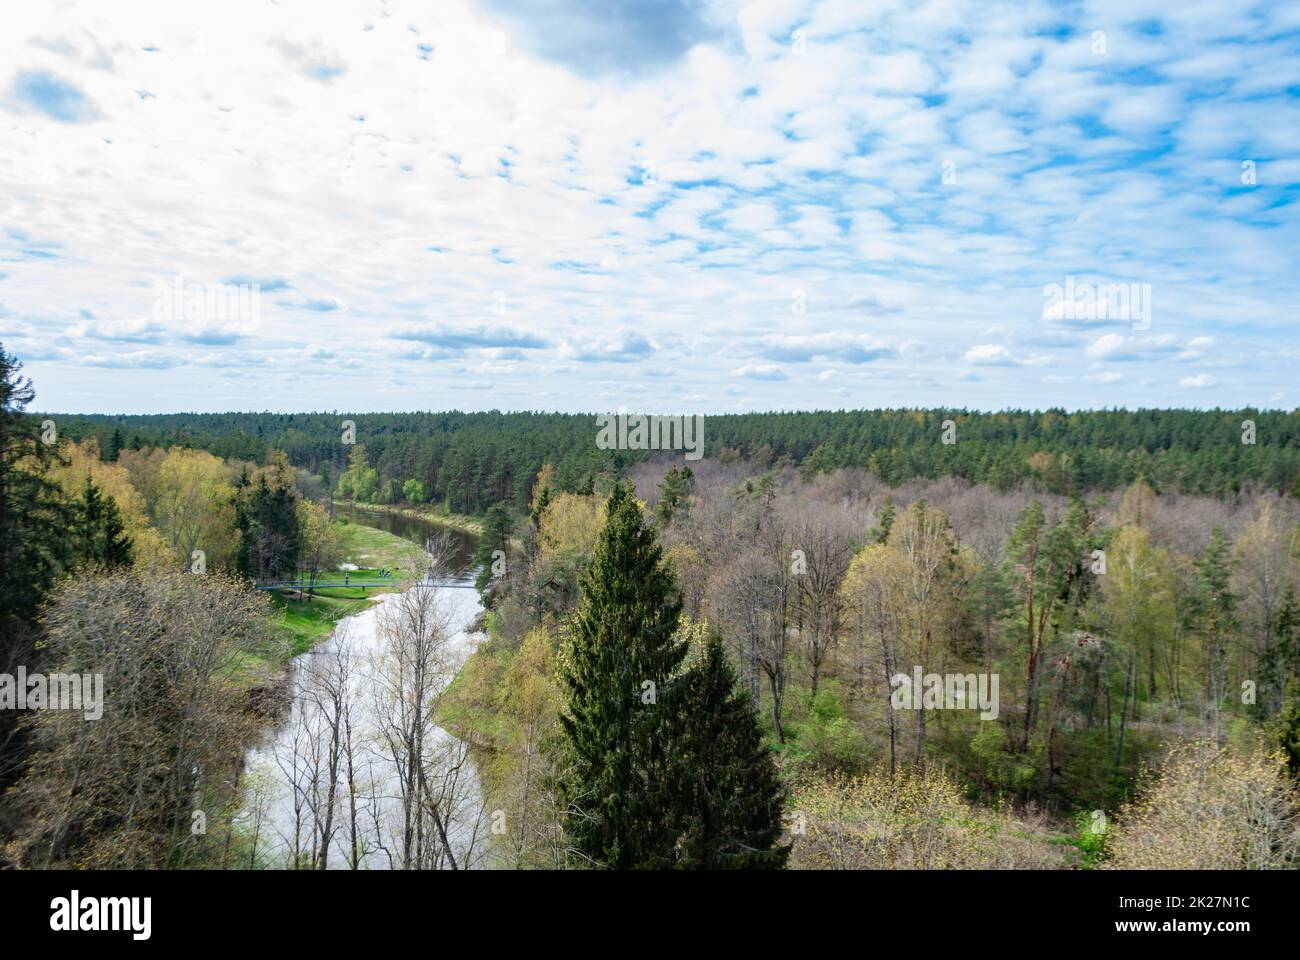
x: 669, y: 206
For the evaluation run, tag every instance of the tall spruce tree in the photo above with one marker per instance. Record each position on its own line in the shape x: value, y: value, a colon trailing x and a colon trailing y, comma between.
x: 103, y: 538
x: 497, y: 525
x: 623, y: 656
x: 729, y: 798
x: 36, y: 544
x: 675, y: 493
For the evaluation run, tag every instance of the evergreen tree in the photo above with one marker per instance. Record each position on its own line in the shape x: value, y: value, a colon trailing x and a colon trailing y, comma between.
x: 887, y: 514
x: 729, y: 798
x: 1286, y: 729
x: 1279, y: 661
x: 102, y: 535
x: 35, y: 546
x: 35, y: 541
x: 675, y: 493
x: 115, y: 444
x: 622, y: 658
x: 496, y: 536
x: 1216, y: 609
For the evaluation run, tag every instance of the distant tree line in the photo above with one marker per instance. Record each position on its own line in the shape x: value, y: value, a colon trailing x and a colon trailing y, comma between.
x: 465, y: 462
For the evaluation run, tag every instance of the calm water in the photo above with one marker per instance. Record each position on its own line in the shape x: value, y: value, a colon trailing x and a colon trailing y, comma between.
x: 279, y: 810
x: 414, y: 529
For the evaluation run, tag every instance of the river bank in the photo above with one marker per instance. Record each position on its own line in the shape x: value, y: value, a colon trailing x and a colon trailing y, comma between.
x: 287, y: 783
x: 458, y: 521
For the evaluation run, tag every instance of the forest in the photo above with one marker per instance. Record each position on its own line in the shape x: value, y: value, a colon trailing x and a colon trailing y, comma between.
x: 465, y: 462
x: 677, y: 665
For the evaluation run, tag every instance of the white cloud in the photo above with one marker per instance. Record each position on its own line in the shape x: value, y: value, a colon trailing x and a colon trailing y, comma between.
x: 396, y: 166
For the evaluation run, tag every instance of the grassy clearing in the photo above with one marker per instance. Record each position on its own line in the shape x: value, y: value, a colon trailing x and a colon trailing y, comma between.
x: 376, y: 549
x: 461, y: 521
x: 302, y: 622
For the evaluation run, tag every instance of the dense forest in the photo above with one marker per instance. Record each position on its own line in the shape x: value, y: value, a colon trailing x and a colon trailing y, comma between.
x: 838, y: 641
x: 465, y: 462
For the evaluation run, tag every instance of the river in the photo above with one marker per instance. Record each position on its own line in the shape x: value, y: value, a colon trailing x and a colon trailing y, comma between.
x: 286, y: 777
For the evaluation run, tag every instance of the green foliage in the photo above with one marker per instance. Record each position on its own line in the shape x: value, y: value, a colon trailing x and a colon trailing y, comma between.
x: 102, y: 537
x: 827, y: 737
x: 1286, y: 730
x: 271, y: 535
x: 667, y: 769
x: 622, y: 637
x: 1000, y: 769
x: 497, y: 526
x: 414, y: 491
x: 728, y: 797
x: 1090, y: 837
x: 472, y: 460
x: 675, y: 493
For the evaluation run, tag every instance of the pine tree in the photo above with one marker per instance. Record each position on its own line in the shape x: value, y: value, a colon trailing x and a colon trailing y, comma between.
x: 675, y: 493
x: 622, y: 658
x: 115, y: 444
x: 496, y: 534
x: 35, y: 541
x: 1216, y: 607
x: 887, y: 515
x: 729, y: 798
x: 103, y: 539
x: 34, y: 517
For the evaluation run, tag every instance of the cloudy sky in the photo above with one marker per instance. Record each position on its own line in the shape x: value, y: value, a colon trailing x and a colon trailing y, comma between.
x: 678, y: 207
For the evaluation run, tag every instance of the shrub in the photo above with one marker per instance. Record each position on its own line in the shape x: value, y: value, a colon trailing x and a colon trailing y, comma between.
x: 1208, y: 809
x: 915, y: 819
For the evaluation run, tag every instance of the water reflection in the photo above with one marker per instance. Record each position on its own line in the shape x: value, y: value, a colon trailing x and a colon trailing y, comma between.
x: 338, y: 780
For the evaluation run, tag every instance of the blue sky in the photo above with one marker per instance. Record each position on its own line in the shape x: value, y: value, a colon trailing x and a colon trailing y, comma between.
x: 670, y: 206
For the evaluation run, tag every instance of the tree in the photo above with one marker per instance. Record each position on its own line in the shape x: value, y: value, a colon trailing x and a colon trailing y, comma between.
x: 1208, y: 809
x: 269, y: 521
x: 826, y: 545
x: 924, y: 536
x: 413, y: 491
x: 873, y: 589
x: 1263, y: 572
x: 34, y: 518
x: 492, y: 545
x: 675, y: 493
x: 437, y: 824
x: 194, y: 507
x: 1049, y: 575
x: 34, y: 543
x: 729, y: 798
x: 120, y: 792
x: 115, y: 445
x: 623, y: 653
x: 103, y: 538
x: 1138, y: 590
x: 1216, y: 616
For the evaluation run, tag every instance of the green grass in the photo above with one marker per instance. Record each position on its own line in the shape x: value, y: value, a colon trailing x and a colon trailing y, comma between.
x: 461, y: 521
x: 301, y: 623
x: 376, y: 549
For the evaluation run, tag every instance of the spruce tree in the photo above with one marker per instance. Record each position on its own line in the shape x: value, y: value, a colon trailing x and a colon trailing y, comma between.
x: 497, y: 525
x: 103, y: 538
x: 675, y: 493
x: 622, y: 658
x: 35, y: 518
x: 729, y: 798
x: 115, y: 444
x: 36, y: 541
